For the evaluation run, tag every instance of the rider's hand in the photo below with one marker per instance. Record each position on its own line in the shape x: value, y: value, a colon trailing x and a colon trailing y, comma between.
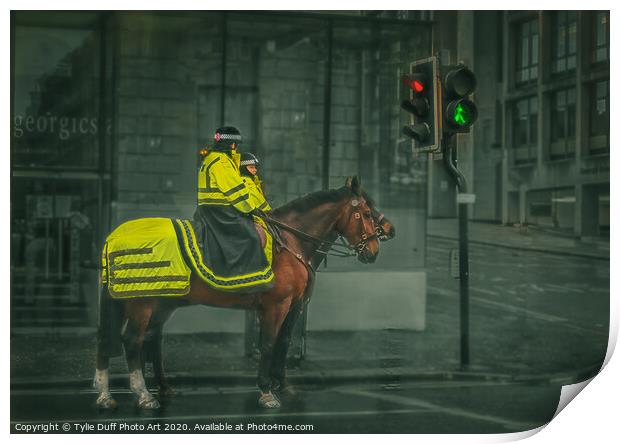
x: 259, y: 213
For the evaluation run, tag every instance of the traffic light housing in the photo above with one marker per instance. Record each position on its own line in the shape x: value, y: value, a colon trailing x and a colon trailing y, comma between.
x: 459, y: 111
x: 422, y: 105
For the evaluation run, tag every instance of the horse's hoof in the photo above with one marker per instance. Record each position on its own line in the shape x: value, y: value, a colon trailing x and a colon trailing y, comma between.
x: 105, y: 401
x: 148, y: 403
x: 167, y: 392
x: 269, y: 401
x: 285, y: 390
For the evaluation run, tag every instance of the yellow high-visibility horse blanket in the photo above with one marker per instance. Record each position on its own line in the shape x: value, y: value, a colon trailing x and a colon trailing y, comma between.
x: 149, y: 257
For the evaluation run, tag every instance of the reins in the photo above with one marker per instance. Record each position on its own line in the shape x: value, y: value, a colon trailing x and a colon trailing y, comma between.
x: 334, y: 249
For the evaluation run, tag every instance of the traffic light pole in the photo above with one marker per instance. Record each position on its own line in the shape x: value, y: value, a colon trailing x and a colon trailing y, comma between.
x: 449, y: 158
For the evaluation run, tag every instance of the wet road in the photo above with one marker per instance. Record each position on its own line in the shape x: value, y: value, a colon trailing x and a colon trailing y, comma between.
x: 422, y: 407
x: 570, y: 290
x: 532, y: 314
x: 537, y: 312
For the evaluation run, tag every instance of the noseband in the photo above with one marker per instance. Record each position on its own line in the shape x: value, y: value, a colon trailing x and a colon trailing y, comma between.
x: 379, y: 231
x: 364, y: 237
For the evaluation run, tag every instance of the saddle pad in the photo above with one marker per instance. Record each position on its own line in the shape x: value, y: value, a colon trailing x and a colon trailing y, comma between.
x: 142, y: 258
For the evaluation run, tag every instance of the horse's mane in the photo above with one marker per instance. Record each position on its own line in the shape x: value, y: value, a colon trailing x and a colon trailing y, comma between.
x: 368, y: 199
x: 312, y: 200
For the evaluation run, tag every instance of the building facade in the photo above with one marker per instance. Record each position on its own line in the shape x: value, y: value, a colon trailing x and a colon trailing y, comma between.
x: 539, y: 152
x: 556, y: 108
x: 111, y: 109
x: 542, y: 143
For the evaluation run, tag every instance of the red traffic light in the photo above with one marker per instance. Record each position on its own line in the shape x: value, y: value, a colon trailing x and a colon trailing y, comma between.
x: 416, y: 82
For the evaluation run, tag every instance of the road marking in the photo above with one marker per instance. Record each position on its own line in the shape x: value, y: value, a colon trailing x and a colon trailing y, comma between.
x: 507, y: 307
x: 197, y: 391
x: 560, y: 288
x: 519, y: 310
x: 437, y: 249
x: 245, y: 416
x: 522, y: 311
x: 413, y: 402
x: 482, y: 290
x: 599, y: 290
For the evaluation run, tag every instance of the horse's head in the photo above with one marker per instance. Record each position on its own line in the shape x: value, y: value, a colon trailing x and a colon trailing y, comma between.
x: 357, y: 225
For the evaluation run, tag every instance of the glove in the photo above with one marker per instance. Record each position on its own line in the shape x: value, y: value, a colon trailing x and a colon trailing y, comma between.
x: 258, y: 213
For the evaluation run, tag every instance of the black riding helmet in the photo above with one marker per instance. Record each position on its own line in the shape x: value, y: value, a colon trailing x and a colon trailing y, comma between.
x: 246, y: 160
x: 225, y: 137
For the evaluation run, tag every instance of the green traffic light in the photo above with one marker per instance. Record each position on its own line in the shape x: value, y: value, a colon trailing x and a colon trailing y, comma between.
x: 461, y: 115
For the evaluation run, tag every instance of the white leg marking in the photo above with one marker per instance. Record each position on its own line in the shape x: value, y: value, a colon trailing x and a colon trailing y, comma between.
x: 101, y: 380
x: 136, y: 383
x: 101, y: 384
x: 138, y: 386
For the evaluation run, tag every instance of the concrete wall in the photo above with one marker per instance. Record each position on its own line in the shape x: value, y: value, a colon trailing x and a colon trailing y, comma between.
x: 487, y: 47
x: 369, y: 301
x: 358, y: 300
x: 168, y: 79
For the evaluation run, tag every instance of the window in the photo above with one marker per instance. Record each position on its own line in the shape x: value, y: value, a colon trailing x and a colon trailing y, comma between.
x: 59, y: 193
x: 600, y: 52
x: 562, y: 123
x: 564, y: 41
x: 525, y: 129
x: 527, y: 51
x: 599, y: 117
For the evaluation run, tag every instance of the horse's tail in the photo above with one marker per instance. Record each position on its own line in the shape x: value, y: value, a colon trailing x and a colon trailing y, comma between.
x: 110, y: 318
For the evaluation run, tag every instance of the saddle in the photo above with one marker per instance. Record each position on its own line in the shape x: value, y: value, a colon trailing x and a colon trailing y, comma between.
x: 192, y: 246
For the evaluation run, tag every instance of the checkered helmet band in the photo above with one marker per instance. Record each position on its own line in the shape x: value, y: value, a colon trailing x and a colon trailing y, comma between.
x: 248, y: 159
x: 225, y: 137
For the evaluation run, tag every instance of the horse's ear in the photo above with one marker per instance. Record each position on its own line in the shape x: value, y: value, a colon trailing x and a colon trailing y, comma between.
x: 347, y: 183
x: 356, y: 185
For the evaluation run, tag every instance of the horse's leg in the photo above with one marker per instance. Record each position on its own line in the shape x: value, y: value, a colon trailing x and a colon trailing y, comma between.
x: 101, y: 381
x: 157, y: 326
x: 272, y: 317
x: 108, y: 343
x: 280, y: 351
x: 138, y: 313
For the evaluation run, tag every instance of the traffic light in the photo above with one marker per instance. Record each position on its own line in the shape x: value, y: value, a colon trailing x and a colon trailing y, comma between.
x: 459, y: 111
x: 422, y: 86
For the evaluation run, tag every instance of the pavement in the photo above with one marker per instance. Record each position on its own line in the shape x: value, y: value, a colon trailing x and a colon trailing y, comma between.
x: 386, y: 356
x: 522, y: 237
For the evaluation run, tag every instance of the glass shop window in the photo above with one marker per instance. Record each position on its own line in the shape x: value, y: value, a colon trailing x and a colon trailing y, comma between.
x: 56, y: 184
x: 56, y: 110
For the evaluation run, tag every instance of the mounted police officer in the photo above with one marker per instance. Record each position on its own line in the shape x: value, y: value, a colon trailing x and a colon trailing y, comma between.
x: 249, y: 172
x: 231, y: 246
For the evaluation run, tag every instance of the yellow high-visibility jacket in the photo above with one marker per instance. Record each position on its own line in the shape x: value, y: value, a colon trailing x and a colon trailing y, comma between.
x: 219, y: 183
x: 257, y: 197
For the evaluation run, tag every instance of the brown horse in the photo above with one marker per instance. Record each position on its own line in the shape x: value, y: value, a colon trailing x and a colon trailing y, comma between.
x: 307, y: 226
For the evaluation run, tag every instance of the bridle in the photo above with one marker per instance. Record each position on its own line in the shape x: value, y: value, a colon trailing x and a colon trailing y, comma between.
x: 339, y: 247
x: 377, y: 218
